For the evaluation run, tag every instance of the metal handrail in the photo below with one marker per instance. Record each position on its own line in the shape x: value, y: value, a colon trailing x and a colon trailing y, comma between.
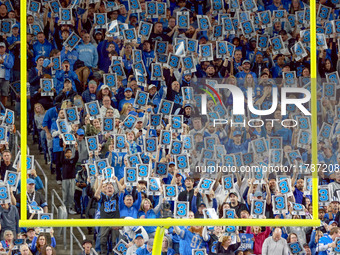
x: 2, y: 106
x: 13, y: 89
x: 54, y: 207
x: 17, y: 140
x: 54, y: 193
x: 73, y: 236
x: 18, y: 144
x: 45, y: 188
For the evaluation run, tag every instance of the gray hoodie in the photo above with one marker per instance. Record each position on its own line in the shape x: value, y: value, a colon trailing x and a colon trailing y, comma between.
x: 10, y: 219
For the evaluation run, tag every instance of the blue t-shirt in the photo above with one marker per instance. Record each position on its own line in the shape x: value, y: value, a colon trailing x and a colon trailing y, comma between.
x: 191, y: 241
x: 231, y: 147
x: 326, y: 239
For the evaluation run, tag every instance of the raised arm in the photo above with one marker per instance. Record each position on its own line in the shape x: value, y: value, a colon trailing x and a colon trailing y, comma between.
x: 205, y: 234
x: 268, y: 196
x: 98, y: 191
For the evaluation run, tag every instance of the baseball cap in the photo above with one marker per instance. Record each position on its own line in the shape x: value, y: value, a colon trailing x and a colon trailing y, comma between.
x: 151, y: 86
x: 127, y: 89
x: 104, y: 87
x: 65, y: 60
x: 80, y: 131
x: 98, y: 32
x: 187, y: 105
x: 245, y: 61
x: 322, y: 209
x: 203, y: 36
x: 258, y: 194
x: 333, y: 221
x: 202, y: 204
x: 36, y: 58
x: 139, y: 235
x: 233, y: 193
x: 30, y: 181
x: 15, y: 26
x: 30, y: 229
x: 237, y: 133
x: 87, y: 241
x: 172, y: 163
x: 23, y: 233
x: 2, y: 44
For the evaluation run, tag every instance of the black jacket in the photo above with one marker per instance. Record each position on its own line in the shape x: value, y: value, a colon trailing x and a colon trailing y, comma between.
x: 63, y: 96
x: 183, y: 196
x: 69, y: 165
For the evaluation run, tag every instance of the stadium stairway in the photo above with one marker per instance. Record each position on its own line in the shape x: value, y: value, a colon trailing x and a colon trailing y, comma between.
x: 52, y: 184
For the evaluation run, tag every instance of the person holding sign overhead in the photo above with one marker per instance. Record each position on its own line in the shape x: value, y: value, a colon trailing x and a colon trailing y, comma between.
x: 109, y: 209
x: 69, y: 174
x: 128, y: 207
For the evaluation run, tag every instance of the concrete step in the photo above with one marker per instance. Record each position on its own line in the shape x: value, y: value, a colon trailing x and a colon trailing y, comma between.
x: 52, y: 184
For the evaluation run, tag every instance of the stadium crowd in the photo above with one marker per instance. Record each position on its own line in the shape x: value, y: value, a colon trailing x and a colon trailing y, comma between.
x: 116, y: 107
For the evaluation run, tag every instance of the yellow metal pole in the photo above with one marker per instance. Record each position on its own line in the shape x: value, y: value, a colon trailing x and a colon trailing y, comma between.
x: 23, y: 106
x: 314, y: 108
x: 167, y: 222
x: 160, y: 222
x: 158, y: 241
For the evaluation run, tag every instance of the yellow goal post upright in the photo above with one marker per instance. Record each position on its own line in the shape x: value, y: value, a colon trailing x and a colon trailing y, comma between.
x: 161, y: 223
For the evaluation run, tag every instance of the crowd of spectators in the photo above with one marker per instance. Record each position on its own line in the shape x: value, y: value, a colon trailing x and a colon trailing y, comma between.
x: 125, y: 106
